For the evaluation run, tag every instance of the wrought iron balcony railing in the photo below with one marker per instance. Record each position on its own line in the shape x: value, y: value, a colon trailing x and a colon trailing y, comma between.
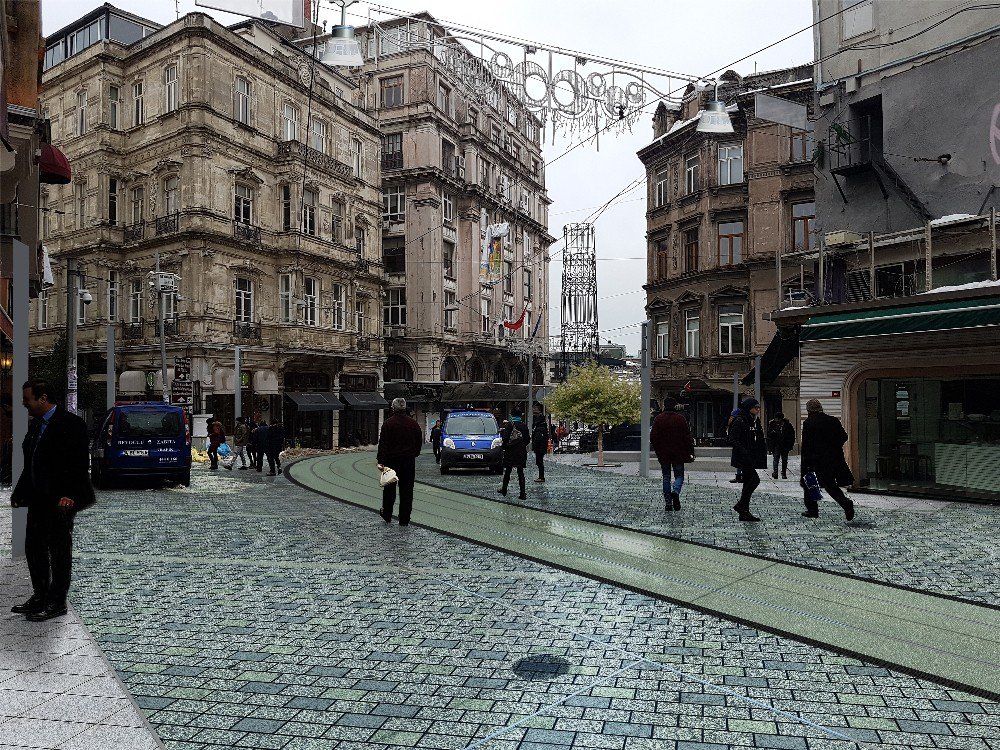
x: 171, y: 326
x: 135, y: 232
x: 246, y: 232
x: 168, y: 224
x: 246, y: 330
x: 132, y: 330
x: 392, y: 160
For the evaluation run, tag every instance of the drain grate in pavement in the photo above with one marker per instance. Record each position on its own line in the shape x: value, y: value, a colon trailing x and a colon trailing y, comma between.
x: 541, y: 667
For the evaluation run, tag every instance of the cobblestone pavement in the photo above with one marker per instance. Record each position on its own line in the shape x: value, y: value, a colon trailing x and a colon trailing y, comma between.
x: 940, y: 547
x: 248, y: 613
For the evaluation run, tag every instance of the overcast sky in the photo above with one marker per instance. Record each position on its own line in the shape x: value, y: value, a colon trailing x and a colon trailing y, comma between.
x: 696, y: 38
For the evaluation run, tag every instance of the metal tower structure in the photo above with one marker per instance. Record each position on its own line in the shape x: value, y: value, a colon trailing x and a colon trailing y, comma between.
x: 579, y: 296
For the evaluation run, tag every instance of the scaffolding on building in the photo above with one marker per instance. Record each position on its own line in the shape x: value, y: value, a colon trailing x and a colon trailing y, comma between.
x: 579, y: 341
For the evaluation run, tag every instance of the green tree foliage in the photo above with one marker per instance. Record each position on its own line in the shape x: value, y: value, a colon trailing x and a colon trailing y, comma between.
x: 52, y: 367
x: 594, y: 395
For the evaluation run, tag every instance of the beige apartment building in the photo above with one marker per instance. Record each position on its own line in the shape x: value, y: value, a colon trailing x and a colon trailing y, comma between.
x: 460, y: 153
x: 253, y: 175
x: 722, y: 209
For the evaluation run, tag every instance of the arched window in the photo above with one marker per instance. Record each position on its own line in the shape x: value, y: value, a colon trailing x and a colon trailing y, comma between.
x: 449, y: 370
x: 477, y: 373
x: 500, y: 374
x: 397, y: 368
x: 539, y: 375
x: 520, y: 374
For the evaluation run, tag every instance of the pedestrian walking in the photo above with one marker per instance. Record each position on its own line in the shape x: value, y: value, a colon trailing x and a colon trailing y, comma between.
x: 780, y: 441
x: 258, y: 439
x: 739, y: 475
x: 436, y: 441
x: 216, y: 437
x: 539, y: 444
x: 823, y: 439
x: 55, y: 486
x: 671, y: 440
x: 274, y: 443
x: 241, y: 435
x: 749, y: 453
x: 514, y: 440
x: 399, y: 444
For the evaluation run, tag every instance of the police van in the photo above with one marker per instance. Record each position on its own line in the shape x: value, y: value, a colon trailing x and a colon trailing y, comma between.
x: 143, y: 439
x: 470, y: 440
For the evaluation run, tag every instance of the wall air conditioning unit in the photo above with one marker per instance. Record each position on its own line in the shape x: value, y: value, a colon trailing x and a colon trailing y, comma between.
x: 460, y: 167
x: 842, y: 237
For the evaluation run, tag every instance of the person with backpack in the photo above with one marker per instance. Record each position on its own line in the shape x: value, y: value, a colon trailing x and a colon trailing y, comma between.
x: 823, y: 440
x: 514, y: 440
x: 672, y: 442
x: 780, y: 441
x: 216, y: 437
x: 539, y: 443
x: 240, y: 437
x: 749, y: 453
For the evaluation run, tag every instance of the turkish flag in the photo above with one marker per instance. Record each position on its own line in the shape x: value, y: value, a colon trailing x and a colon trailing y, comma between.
x: 516, y: 325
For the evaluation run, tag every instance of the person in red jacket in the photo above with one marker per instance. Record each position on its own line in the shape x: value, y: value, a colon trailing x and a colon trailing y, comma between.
x: 673, y: 443
x: 399, y: 445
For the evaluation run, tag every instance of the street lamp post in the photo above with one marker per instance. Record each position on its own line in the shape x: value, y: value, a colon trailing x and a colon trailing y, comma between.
x: 528, y: 348
x: 71, y: 320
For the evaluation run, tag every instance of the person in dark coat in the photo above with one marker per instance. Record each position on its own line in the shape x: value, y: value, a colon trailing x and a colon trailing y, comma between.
x: 672, y: 442
x: 258, y: 439
x: 436, y: 441
x: 539, y: 443
x: 216, y: 437
x: 749, y: 453
x: 514, y: 439
x: 55, y: 486
x: 780, y: 441
x: 399, y: 444
x: 274, y: 443
x: 823, y: 439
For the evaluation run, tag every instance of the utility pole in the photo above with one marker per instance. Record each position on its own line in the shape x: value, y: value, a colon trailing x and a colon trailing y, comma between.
x: 238, y: 390
x: 529, y: 415
x: 19, y: 375
x: 163, y: 338
x: 72, y: 303
x: 646, y: 376
x: 110, y: 391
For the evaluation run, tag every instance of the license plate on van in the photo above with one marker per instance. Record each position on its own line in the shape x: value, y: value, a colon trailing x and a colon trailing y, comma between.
x: 135, y: 452
x: 474, y: 455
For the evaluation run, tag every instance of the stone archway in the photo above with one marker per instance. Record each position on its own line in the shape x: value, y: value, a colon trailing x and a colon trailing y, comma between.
x: 450, y: 371
x: 477, y: 372
x: 500, y: 373
x: 397, y: 368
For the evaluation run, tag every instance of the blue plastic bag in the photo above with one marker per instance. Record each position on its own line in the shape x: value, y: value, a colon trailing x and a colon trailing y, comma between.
x: 224, y: 449
x: 813, y: 492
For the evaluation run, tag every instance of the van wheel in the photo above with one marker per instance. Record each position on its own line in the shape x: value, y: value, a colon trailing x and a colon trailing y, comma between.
x: 184, y: 478
x: 445, y: 469
x: 97, y: 476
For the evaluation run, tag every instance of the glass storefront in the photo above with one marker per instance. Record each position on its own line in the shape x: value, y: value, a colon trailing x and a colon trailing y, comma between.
x: 937, y: 434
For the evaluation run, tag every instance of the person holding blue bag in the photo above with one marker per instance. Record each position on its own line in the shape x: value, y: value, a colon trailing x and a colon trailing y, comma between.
x: 823, y: 462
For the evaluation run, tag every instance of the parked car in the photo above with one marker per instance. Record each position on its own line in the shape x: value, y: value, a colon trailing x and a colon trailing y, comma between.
x: 470, y: 440
x: 145, y: 439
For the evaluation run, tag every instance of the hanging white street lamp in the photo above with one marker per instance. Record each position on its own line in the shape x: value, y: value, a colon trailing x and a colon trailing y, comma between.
x: 341, y: 49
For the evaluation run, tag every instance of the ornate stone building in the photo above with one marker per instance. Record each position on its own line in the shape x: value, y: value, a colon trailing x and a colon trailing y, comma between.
x: 722, y: 208
x: 253, y: 175
x: 459, y: 153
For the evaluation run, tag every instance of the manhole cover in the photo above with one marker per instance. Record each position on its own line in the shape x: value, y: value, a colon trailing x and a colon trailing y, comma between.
x: 541, y: 667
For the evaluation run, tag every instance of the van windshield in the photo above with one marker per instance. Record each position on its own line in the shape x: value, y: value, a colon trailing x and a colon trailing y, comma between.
x: 472, y: 425
x: 143, y: 424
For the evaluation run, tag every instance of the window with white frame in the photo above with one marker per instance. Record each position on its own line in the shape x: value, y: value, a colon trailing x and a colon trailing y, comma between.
x: 394, y: 204
x: 360, y: 240
x: 391, y: 92
x: 661, y: 198
x: 43, y: 308
x: 244, y: 300
x: 526, y: 284
x: 309, y: 201
x: 172, y: 195
x: 114, y: 289
x: 360, y: 317
x: 450, y: 309
x: 135, y: 301
x: 317, y: 134
x: 138, y: 108
x: 508, y: 316
x: 448, y: 259
x: 338, y: 307
x: 170, y: 88
x: 241, y: 100
x: 663, y: 339
x: 286, y: 207
x: 392, y: 151
x: 692, y: 166
x: 731, y: 329
x: 444, y: 99
x: 113, y: 187
x: 526, y: 329
x: 114, y: 107
x: 289, y: 122
x: 81, y: 204
x: 81, y: 113
x: 170, y: 305
x: 243, y: 204
x: 310, y: 298
x: 286, y: 311
x: 394, y: 311
x: 730, y: 243
x: 484, y: 312
x: 138, y: 200
x: 730, y: 163
x: 337, y: 221
x: 357, y: 156
x: 692, y: 333
x: 449, y: 207
x: 803, y: 143
x: 508, y: 277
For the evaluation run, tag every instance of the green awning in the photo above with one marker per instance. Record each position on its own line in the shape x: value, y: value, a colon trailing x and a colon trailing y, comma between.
x: 933, y: 316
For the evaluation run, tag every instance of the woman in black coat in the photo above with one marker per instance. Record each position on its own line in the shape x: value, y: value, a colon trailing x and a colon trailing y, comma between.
x: 514, y: 439
x: 540, y: 445
x: 823, y: 439
x: 749, y: 453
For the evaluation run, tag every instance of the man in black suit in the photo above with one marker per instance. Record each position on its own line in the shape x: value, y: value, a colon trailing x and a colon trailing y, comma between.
x: 55, y: 486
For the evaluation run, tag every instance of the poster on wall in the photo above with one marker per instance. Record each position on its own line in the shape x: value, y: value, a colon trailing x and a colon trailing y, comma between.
x: 491, y: 265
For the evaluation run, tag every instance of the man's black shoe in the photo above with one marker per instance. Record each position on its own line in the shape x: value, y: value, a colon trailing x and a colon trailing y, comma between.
x: 34, y: 604
x: 52, y: 610
x: 811, y: 514
x: 676, y: 498
x: 387, y: 519
x: 503, y: 491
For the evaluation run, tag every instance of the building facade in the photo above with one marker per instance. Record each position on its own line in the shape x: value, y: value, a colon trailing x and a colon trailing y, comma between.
x: 249, y: 176
x: 722, y: 211
x: 902, y: 343
x: 456, y: 159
